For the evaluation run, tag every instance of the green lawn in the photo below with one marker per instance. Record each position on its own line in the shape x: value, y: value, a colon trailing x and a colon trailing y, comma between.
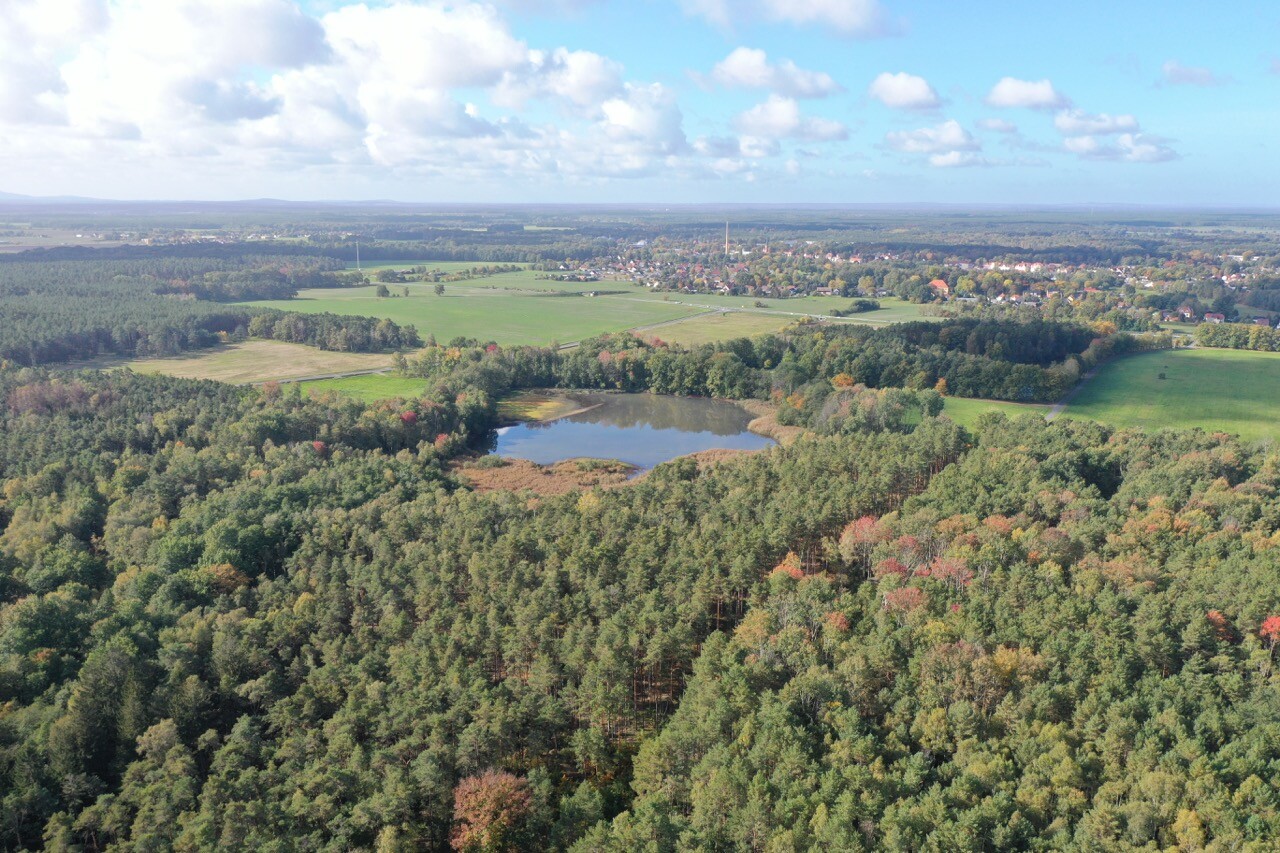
x: 490, y: 313
x: 369, y: 388
x: 965, y: 411
x: 1220, y: 390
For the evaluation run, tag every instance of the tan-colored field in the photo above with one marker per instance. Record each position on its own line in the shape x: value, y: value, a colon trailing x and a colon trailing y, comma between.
x: 258, y: 361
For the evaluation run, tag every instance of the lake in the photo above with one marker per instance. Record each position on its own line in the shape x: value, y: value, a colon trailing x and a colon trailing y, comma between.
x: 643, y: 430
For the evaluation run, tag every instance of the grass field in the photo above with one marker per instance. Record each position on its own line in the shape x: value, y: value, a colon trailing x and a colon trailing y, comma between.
x: 891, y: 310
x: 965, y: 411
x: 380, y: 386
x: 491, y: 314
x: 1219, y: 390
x: 722, y: 326
x: 446, y: 266
x: 255, y: 361
x: 502, y: 308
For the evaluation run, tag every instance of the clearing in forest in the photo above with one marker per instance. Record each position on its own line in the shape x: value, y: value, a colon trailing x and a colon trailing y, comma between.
x: 966, y: 411
x: 1236, y: 391
x: 257, y: 361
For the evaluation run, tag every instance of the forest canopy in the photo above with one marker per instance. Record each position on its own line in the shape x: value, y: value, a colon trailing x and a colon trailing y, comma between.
x: 241, y: 618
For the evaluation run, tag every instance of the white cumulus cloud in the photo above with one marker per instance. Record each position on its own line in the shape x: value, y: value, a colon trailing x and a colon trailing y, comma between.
x: 1127, y: 147
x: 848, y: 18
x: 779, y: 118
x: 1027, y: 94
x: 1080, y: 123
x: 579, y: 78
x: 749, y: 68
x: 946, y: 137
x: 957, y: 159
x: 426, y: 89
x: 904, y: 91
x: 999, y: 125
x: 647, y: 114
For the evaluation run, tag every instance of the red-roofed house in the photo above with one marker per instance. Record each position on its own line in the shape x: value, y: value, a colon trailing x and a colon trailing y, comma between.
x: 940, y: 287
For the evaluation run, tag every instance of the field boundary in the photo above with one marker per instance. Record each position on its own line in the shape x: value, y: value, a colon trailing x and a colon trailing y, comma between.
x: 322, y: 376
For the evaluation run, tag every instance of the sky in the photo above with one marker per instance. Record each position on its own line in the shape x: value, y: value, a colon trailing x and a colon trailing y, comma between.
x: 657, y: 101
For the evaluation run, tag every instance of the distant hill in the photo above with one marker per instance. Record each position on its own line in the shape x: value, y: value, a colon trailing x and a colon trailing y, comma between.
x: 17, y: 198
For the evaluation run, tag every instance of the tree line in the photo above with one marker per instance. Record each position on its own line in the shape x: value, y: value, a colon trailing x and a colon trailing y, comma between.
x: 1024, y: 360
x: 55, y: 312
x: 1238, y: 336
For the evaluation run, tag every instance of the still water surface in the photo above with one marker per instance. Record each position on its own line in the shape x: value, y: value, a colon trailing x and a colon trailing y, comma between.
x: 639, y: 429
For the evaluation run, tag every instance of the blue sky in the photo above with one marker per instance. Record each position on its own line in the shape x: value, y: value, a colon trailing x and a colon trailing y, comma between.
x: 647, y: 100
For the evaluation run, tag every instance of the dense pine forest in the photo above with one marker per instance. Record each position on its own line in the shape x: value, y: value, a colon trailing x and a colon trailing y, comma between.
x: 639, y: 426
x: 253, y: 618
x: 160, y: 306
x: 245, y: 619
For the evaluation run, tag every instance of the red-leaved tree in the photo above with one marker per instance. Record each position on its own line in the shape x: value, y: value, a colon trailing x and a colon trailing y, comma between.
x: 489, y: 811
x: 1270, y: 631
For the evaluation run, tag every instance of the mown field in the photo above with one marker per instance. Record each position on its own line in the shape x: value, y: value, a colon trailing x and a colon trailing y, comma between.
x: 721, y: 326
x: 519, y: 308
x: 489, y: 312
x: 254, y: 361
x: 891, y: 310
x: 1218, y: 390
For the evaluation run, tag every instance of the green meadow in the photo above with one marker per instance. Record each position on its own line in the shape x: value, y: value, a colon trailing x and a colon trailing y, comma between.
x: 486, y: 311
x: 720, y: 326
x: 966, y: 411
x: 1233, y: 391
x: 371, y: 388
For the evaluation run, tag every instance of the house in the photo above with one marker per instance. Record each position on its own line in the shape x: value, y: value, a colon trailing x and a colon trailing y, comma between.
x: 824, y: 291
x: 1262, y: 321
x: 940, y: 287
x: 1213, y: 317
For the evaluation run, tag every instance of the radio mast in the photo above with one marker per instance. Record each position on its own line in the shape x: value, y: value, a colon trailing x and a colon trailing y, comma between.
x: 726, y: 239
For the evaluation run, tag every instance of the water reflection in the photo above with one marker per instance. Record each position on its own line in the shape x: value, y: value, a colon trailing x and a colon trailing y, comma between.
x: 640, y: 429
